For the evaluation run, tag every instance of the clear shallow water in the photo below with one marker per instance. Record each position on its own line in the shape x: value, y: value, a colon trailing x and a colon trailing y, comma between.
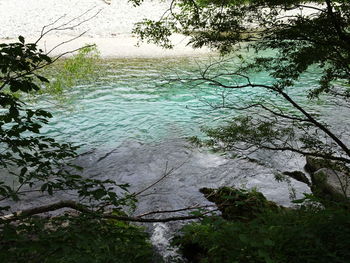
x: 130, y: 103
x: 133, y: 101
x: 137, y: 124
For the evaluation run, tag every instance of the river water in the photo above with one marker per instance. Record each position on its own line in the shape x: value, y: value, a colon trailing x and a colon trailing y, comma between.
x: 132, y: 126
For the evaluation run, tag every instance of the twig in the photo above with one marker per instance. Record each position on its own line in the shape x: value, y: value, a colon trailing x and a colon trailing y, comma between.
x: 65, y: 42
x: 175, y: 210
x: 165, y: 174
x: 66, y: 25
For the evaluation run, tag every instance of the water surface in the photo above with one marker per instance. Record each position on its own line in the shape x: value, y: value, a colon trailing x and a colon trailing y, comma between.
x: 134, y: 124
x: 134, y: 100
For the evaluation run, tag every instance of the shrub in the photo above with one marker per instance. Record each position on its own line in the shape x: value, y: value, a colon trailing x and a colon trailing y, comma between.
x: 73, y: 239
x: 308, y: 235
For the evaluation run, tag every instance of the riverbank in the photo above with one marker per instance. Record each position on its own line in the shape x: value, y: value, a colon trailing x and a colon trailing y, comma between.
x: 109, y: 26
x: 120, y: 46
x: 95, y: 17
x: 106, y: 23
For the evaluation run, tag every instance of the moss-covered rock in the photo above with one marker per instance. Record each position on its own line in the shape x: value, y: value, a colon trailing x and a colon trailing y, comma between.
x: 330, y: 179
x: 239, y: 204
x: 331, y: 185
x: 314, y: 164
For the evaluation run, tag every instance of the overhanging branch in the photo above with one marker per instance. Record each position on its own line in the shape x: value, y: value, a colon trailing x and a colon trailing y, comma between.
x: 84, y: 209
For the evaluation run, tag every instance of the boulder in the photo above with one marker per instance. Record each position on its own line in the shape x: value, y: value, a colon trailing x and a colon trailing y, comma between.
x: 330, y: 179
x: 239, y: 204
x: 331, y: 184
x: 314, y: 164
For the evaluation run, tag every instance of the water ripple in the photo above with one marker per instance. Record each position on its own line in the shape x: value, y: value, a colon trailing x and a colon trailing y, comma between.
x: 131, y: 102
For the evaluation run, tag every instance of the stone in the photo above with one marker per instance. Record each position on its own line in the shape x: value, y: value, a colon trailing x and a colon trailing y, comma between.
x: 239, y: 204
x: 330, y: 179
x: 314, y: 164
x: 299, y: 176
x: 331, y: 184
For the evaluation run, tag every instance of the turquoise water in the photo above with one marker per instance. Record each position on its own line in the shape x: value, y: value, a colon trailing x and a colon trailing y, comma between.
x: 135, y: 101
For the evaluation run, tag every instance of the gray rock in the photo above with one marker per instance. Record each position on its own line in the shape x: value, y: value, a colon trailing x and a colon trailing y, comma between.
x: 332, y: 184
x: 314, y: 164
x: 330, y: 179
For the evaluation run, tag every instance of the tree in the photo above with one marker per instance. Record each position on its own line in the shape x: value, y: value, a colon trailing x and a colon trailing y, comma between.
x: 98, y: 230
x: 289, y: 38
x: 34, y: 162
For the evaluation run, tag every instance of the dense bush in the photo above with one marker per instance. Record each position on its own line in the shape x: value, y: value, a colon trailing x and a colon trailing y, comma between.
x: 308, y: 235
x: 73, y: 239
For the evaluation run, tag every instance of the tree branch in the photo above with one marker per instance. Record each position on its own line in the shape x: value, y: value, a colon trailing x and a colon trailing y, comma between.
x: 278, y: 90
x: 84, y: 209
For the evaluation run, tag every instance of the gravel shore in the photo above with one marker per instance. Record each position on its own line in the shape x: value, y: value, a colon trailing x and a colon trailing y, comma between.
x: 109, y: 25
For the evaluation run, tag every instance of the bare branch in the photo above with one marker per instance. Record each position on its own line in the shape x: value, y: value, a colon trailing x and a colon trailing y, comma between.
x: 68, y: 24
x: 278, y: 90
x: 83, y: 209
x: 165, y: 174
x: 65, y: 42
x: 176, y: 210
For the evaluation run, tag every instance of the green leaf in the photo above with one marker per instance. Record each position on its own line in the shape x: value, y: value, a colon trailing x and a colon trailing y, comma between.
x: 99, y: 193
x: 43, y: 79
x: 269, y: 242
x: 21, y: 39
x: 243, y: 238
x: 23, y: 171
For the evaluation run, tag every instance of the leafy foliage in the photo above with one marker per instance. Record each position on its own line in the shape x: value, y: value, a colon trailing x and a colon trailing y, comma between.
x: 74, y: 239
x: 307, y: 234
x: 289, y: 38
x: 78, y: 69
x: 31, y: 162
x: 34, y: 162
